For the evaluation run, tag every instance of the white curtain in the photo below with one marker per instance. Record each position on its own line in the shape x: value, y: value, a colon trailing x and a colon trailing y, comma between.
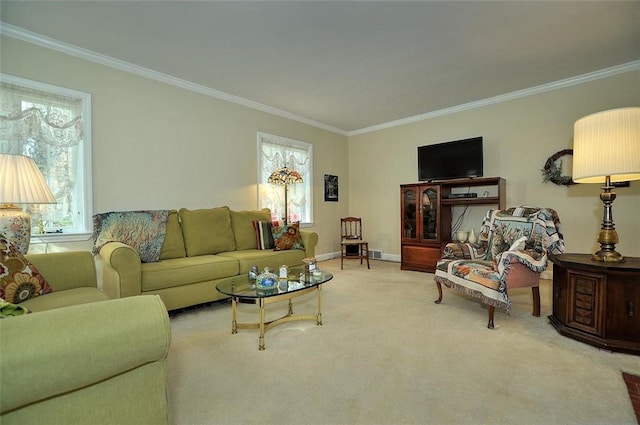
x: 48, y: 128
x: 277, y: 153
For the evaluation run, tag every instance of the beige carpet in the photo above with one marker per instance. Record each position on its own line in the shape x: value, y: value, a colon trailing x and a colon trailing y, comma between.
x: 386, y: 354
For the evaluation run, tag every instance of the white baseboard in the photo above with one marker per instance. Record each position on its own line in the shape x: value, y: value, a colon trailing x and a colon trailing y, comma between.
x: 331, y: 255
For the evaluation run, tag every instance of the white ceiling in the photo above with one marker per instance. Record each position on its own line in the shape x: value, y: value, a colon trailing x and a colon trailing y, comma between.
x: 348, y: 65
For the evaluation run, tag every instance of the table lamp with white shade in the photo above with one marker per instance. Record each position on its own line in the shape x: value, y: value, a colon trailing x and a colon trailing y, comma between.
x: 606, y: 149
x: 21, y: 182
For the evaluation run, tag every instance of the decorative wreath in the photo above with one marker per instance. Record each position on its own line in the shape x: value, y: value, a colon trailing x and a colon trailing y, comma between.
x: 552, y: 172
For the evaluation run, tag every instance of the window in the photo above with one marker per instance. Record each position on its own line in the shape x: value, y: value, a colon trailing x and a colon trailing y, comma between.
x: 52, y: 126
x: 276, y: 152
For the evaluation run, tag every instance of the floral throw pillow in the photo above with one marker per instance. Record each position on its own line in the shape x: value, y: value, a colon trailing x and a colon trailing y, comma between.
x: 287, y: 237
x: 19, y: 279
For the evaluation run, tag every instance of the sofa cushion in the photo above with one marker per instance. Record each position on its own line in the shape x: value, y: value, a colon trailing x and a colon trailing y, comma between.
x: 242, y: 225
x: 184, y: 271
x: 59, y: 299
x: 287, y: 237
x: 20, y: 280
x: 264, y: 235
x: 207, y: 231
x: 263, y: 258
x: 173, y: 246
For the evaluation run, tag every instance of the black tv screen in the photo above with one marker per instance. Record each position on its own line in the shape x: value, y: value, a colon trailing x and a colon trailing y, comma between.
x: 450, y: 160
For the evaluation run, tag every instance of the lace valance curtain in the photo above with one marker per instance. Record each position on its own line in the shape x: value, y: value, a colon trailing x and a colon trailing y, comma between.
x: 276, y: 154
x: 28, y: 114
x: 49, y: 128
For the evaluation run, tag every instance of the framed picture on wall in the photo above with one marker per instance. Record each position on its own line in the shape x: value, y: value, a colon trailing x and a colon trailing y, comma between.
x: 330, y: 188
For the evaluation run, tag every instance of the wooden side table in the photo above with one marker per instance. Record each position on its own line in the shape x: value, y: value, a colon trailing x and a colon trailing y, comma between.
x: 597, y: 303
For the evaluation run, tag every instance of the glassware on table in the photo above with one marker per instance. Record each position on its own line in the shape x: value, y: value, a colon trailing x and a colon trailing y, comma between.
x: 266, y: 280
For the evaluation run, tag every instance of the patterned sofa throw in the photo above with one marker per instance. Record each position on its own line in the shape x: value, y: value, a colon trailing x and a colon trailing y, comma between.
x: 143, y: 230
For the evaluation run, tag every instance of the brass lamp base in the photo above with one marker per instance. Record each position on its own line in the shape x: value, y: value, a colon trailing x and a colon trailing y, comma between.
x: 607, y: 257
x: 608, y: 237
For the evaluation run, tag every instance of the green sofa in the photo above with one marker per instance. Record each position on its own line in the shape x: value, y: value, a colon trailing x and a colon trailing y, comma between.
x: 80, y: 357
x: 201, y: 249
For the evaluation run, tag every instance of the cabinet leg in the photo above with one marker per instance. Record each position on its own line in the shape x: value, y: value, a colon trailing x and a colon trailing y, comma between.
x: 536, y: 300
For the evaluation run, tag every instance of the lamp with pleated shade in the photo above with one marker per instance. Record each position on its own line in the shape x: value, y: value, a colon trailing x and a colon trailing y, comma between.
x: 606, y: 149
x: 21, y: 182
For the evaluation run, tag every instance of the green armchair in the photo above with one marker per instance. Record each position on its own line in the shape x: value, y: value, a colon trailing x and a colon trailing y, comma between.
x: 100, y: 361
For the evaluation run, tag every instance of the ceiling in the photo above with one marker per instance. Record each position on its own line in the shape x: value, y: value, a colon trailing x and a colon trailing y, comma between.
x: 347, y: 65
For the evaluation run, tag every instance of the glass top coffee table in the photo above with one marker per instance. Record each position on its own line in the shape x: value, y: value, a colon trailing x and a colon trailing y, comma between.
x: 240, y: 289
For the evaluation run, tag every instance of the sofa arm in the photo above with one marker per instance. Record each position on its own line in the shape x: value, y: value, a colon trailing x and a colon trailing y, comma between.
x: 59, y: 352
x: 66, y: 270
x: 310, y: 240
x: 121, y: 270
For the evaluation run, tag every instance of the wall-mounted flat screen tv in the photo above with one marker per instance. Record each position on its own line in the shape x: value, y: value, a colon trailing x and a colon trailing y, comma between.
x: 450, y: 160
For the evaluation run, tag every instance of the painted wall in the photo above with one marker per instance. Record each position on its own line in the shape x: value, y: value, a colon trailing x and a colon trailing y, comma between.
x: 158, y: 146
x: 519, y: 136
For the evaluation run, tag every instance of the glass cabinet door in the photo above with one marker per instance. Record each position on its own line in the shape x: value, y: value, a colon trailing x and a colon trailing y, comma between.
x: 429, y: 199
x: 409, y: 214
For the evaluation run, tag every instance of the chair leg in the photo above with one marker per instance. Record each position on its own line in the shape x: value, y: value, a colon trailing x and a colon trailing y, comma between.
x: 536, y: 300
x: 367, y: 253
x: 342, y: 248
x: 492, y: 310
x: 439, y: 300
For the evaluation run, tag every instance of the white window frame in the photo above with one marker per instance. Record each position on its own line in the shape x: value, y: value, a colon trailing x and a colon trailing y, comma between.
x: 307, y: 176
x: 84, y: 185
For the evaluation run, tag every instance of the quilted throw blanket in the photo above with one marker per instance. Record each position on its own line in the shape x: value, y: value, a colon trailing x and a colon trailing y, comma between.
x: 143, y: 230
x: 540, y: 225
x: 520, y: 234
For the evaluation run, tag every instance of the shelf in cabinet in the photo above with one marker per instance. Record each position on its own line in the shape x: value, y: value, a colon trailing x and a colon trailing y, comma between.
x: 484, y: 200
x: 420, y: 253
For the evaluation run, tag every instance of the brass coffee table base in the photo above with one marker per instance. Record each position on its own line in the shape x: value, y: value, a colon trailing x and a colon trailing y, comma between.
x: 262, y: 301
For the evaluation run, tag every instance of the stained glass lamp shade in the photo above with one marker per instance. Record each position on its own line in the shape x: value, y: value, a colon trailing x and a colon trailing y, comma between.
x: 285, y: 176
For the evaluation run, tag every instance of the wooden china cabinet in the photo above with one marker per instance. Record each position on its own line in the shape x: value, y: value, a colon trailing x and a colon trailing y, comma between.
x: 422, y: 216
x: 426, y: 212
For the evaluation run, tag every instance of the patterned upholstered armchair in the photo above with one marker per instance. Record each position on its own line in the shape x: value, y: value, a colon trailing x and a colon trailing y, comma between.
x: 511, y: 252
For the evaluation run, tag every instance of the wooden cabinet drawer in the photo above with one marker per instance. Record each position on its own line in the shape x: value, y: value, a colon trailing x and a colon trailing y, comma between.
x: 597, y: 303
x: 586, y: 301
x: 420, y: 258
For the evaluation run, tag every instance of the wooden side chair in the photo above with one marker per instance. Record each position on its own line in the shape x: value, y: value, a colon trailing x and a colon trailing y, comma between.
x: 352, y: 246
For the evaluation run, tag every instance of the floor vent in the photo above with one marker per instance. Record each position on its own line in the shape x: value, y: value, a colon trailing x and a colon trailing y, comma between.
x: 375, y: 254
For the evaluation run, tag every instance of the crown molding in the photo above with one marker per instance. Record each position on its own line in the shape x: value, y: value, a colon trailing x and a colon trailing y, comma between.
x: 40, y: 40
x: 591, y: 76
x: 69, y: 49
